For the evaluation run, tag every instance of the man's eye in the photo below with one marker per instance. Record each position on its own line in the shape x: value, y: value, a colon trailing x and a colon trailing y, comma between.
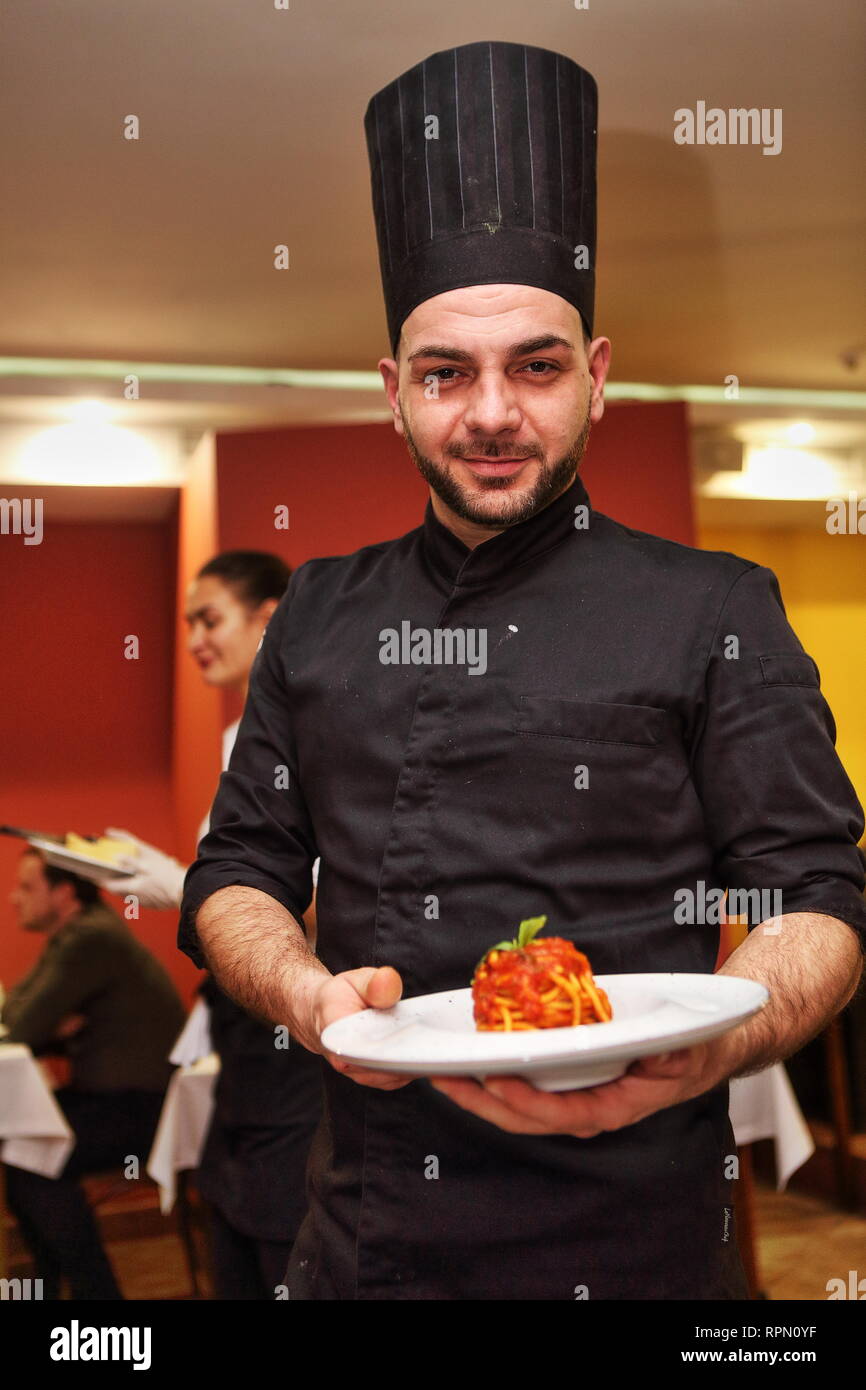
x: 448, y: 374
x: 548, y: 366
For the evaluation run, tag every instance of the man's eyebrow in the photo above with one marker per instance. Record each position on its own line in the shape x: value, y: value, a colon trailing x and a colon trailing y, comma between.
x: 540, y: 344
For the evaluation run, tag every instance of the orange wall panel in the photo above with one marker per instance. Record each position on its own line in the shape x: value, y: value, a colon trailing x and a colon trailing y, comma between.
x: 197, y: 708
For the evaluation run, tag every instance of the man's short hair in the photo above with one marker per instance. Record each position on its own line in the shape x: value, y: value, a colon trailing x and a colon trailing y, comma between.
x: 85, y: 891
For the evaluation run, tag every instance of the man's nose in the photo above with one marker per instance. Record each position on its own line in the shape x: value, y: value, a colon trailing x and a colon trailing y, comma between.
x: 492, y: 406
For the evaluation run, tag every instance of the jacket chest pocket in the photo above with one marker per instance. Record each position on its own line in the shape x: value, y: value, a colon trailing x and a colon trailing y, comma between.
x: 597, y: 765
x: 637, y: 726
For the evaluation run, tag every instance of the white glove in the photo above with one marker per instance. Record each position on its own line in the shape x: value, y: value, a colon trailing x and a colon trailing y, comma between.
x: 157, y: 880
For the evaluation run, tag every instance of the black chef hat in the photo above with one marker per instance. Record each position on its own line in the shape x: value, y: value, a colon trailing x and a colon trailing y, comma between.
x: 482, y: 164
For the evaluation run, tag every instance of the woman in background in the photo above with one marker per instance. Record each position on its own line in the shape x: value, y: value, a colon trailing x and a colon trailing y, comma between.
x: 267, y: 1100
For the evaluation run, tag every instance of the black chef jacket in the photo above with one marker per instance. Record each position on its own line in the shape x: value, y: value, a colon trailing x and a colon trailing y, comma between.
x: 426, y: 788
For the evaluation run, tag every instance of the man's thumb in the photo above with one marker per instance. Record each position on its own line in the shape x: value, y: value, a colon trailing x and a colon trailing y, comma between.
x: 382, y: 988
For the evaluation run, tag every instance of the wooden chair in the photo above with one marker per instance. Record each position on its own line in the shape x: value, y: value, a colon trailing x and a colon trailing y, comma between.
x: 839, y: 1087
x: 114, y: 1185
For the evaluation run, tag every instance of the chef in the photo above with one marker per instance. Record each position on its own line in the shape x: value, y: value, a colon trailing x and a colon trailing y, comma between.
x: 625, y: 721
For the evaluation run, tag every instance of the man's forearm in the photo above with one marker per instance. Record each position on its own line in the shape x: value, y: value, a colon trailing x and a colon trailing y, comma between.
x: 811, y: 964
x: 259, y: 955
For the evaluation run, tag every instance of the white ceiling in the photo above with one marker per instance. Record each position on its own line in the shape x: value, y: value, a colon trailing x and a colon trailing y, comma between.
x: 712, y: 260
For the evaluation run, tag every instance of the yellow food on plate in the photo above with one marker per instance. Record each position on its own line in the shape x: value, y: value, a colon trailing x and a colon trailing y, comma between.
x: 106, y: 850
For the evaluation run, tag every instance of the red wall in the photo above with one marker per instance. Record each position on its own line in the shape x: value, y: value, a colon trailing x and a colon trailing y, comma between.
x: 87, y: 733
x: 344, y: 486
x: 637, y: 469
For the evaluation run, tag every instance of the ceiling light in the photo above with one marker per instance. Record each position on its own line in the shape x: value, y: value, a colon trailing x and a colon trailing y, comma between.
x: 801, y: 432
x: 779, y: 472
x: 90, y: 455
x: 88, y: 411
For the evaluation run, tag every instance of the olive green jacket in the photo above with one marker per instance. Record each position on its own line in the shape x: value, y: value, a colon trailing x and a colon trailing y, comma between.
x: 95, y: 967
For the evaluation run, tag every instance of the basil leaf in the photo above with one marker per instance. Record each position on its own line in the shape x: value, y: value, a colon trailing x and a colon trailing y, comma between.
x: 529, y: 929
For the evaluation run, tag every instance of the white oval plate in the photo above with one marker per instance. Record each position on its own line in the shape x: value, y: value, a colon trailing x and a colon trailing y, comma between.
x: 435, y: 1034
x: 97, y: 869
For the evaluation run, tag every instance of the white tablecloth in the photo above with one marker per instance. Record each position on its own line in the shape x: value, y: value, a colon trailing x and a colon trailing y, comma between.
x: 33, y: 1129
x: 765, y: 1107
x: 194, y: 1040
x: 183, y: 1126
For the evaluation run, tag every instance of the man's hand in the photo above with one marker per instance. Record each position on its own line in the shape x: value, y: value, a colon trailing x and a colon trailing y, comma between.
x: 651, y: 1084
x: 337, y: 996
x: 69, y: 1026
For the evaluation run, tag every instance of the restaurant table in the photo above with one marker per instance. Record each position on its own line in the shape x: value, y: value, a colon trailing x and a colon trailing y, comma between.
x: 186, y: 1111
x: 33, y: 1131
x: 194, y: 1040
x: 178, y: 1145
x: 183, y: 1126
x: 765, y: 1107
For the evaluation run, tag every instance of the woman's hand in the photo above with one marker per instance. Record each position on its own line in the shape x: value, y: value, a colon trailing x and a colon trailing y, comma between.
x: 157, y: 879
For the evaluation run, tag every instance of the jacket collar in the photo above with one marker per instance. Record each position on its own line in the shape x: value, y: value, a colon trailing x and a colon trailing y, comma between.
x: 98, y: 914
x: 464, y: 568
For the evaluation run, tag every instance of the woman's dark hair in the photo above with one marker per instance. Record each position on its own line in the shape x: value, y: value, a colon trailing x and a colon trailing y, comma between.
x: 85, y: 891
x: 255, y: 575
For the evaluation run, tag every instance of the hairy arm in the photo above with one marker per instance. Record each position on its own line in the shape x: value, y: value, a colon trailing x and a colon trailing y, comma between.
x: 812, y: 964
x: 260, y: 956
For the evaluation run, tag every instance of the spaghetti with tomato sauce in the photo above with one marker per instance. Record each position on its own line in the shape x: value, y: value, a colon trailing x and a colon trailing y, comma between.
x: 528, y: 984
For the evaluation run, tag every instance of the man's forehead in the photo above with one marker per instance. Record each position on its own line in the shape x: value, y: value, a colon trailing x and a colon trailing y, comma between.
x: 490, y: 318
x: 30, y: 867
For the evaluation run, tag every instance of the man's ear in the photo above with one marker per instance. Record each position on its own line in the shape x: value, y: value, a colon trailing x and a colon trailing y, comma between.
x: 67, y: 895
x: 598, y: 361
x: 391, y: 379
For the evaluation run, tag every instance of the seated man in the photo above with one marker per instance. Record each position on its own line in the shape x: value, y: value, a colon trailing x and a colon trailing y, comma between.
x: 99, y: 996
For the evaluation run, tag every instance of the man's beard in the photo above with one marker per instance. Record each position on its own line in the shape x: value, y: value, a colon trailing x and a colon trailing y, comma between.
x: 552, y: 479
x: 43, y: 923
